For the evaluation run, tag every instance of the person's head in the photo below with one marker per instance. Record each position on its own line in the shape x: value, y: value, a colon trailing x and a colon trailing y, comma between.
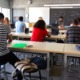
x: 1, y: 17
x: 40, y: 18
x: 6, y: 21
x: 60, y: 18
x: 20, y: 18
x: 40, y: 24
x: 75, y: 22
x: 78, y: 20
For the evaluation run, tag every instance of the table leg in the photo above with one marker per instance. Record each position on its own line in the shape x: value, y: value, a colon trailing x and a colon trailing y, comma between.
x: 65, y: 61
x: 49, y: 65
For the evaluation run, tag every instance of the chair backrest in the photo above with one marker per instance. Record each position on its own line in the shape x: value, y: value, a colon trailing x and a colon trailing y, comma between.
x: 54, y: 31
x: 12, y: 26
x: 27, y: 30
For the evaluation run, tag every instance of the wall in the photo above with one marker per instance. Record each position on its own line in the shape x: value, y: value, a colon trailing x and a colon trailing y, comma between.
x: 40, y: 3
x: 4, y: 3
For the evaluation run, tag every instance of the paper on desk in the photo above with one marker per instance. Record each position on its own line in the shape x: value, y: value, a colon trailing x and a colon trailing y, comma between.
x: 19, y: 45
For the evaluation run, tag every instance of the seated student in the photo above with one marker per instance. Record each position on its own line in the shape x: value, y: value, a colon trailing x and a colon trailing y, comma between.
x: 60, y: 23
x: 78, y: 22
x: 40, y: 18
x: 73, y: 33
x: 20, y: 25
x: 7, y: 22
x: 39, y: 31
x: 5, y: 54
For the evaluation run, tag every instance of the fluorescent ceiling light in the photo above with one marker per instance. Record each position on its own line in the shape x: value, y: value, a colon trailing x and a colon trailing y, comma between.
x: 61, y: 5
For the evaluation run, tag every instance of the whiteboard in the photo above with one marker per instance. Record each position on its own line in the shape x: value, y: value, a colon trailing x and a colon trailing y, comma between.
x: 35, y: 12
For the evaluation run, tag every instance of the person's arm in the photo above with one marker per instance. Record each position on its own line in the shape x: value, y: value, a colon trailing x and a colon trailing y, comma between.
x: 61, y: 27
x: 47, y: 33
x: 9, y: 38
x: 66, y: 36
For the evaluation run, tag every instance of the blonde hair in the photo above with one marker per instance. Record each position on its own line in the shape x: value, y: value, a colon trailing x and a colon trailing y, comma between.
x: 6, y: 21
x: 40, y: 18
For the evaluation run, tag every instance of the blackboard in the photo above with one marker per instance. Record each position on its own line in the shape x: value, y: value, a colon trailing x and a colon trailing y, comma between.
x: 68, y: 14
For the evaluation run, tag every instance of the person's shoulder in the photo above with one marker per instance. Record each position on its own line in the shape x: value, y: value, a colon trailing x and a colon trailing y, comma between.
x: 74, y: 28
x: 3, y: 25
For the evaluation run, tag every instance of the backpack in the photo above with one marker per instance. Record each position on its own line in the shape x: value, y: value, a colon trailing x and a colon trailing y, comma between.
x: 40, y: 62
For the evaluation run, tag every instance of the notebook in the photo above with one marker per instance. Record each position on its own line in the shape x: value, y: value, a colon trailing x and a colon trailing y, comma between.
x: 19, y: 45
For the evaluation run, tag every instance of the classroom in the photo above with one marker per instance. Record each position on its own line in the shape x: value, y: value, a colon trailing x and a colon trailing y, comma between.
x: 39, y: 39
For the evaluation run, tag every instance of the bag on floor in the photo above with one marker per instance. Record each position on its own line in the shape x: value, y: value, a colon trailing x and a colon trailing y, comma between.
x: 40, y: 62
x: 25, y: 65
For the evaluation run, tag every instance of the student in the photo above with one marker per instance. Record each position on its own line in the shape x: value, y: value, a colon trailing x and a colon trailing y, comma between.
x: 40, y: 18
x: 6, y: 22
x: 39, y: 31
x: 60, y: 23
x: 20, y: 25
x: 5, y: 54
x: 73, y: 33
x: 78, y: 22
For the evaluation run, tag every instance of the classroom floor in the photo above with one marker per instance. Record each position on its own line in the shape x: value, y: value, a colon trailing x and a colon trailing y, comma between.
x: 58, y: 73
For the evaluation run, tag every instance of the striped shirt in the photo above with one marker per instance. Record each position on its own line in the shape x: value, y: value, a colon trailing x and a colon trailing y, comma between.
x: 4, y: 32
x: 73, y: 34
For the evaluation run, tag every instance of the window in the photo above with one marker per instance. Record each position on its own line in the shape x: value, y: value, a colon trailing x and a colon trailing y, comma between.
x: 6, y: 12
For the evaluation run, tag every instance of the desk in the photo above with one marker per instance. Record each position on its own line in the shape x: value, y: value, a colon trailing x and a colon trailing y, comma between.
x: 70, y: 50
x: 62, y: 31
x: 39, y: 46
x: 49, y: 30
x: 57, y: 36
x: 45, y: 47
x: 23, y: 35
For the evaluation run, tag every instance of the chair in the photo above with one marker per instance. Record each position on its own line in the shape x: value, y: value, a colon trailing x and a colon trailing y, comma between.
x: 12, y: 26
x: 33, y: 71
x: 55, y: 31
x: 27, y: 30
x: 31, y: 66
x: 3, y: 71
x: 73, y: 66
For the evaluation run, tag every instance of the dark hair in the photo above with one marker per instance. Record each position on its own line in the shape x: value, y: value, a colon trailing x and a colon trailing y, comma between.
x: 61, y: 17
x: 1, y: 16
x: 75, y: 21
x: 21, y: 18
x: 40, y: 24
x: 78, y: 19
